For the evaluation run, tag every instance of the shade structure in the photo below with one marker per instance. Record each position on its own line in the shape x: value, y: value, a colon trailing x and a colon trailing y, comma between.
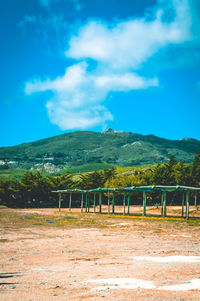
x: 127, y: 190
x: 159, y: 188
x: 70, y: 191
x: 132, y: 188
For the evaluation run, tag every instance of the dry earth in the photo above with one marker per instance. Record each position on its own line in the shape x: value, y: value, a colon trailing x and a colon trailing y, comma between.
x: 46, y: 255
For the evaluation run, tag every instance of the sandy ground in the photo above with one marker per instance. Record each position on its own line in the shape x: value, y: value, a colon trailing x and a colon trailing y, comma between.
x: 150, y: 210
x: 126, y: 259
x: 172, y: 211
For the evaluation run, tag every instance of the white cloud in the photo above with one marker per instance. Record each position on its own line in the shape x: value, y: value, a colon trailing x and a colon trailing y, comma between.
x: 74, y: 76
x: 67, y: 118
x: 126, y: 45
x: 119, y: 50
x: 77, y: 78
x: 124, y: 82
x: 78, y: 95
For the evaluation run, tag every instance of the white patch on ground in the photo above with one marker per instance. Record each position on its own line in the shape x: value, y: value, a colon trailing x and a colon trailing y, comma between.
x: 121, y: 224
x: 130, y: 144
x: 122, y: 283
x: 132, y: 283
x: 136, y: 143
x: 189, y: 285
x: 169, y: 259
x: 181, y: 235
x: 125, y: 145
x: 86, y: 229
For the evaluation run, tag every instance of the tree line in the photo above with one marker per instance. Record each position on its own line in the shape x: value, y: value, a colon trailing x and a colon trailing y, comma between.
x: 34, y: 190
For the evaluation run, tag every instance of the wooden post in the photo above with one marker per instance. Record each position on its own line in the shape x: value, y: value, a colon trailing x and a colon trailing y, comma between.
x: 129, y: 203
x: 162, y: 198
x: 108, y: 202
x: 86, y: 201
x: 113, y: 203
x: 144, y: 203
x: 164, y: 203
x: 82, y: 202
x: 70, y: 201
x: 183, y: 203
x: 59, y: 205
x: 124, y: 203
x: 187, y: 204
x: 94, y: 202
x: 100, y: 201
x: 195, y: 199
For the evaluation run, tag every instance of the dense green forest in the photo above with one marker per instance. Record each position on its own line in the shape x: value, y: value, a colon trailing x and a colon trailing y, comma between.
x: 107, y: 149
x: 35, y: 190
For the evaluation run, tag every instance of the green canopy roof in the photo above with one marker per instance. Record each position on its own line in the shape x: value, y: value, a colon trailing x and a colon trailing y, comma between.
x: 160, y: 188
x: 70, y: 191
x: 102, y: 190
x: 132, y: 188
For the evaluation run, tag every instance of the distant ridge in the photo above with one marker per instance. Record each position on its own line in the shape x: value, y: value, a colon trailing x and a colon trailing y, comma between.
x: 110, y: 147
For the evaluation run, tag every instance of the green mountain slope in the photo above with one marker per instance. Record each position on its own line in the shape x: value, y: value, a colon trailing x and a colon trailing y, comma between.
x: 109, y: 147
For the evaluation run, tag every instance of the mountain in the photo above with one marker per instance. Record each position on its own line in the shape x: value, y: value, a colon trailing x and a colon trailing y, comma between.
x: 110, y: 147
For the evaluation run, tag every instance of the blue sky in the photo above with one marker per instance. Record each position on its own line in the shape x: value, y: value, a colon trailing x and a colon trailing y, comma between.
x: 70, y: 65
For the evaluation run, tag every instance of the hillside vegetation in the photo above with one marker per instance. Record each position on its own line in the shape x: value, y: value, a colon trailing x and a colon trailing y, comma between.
x: 87, y: 151
x: 35, y: 189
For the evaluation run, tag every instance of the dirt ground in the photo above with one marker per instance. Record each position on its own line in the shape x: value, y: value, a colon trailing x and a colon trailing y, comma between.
x: 47, y: 255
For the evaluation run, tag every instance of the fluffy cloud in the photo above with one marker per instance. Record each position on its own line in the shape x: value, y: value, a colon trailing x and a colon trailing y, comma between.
x: 118, y: 50
x: 127, y: 44
x: 78, y: 94
x: 68, y: 118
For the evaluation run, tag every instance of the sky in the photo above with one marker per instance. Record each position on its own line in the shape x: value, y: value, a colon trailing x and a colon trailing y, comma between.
x: 129, y: 65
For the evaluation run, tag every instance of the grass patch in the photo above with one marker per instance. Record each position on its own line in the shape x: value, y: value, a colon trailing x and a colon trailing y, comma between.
x: 4, y: 240
x: 87, y: 167
x: 69, y: 220
x: 13, y: 173
x: 81, y: 220
x: 193, y: 222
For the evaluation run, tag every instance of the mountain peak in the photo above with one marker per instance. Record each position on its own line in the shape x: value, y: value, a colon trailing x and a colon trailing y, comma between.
x: 110, y: 147
x: 111, y: 131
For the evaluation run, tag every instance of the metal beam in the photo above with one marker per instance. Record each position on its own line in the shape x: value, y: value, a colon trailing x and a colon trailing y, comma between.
x: 94, y: 202
x: 124, y: 204
x: 100, y: 201
x: 164, y: 203
x: 113, y: 202
x: 59, y: 200
x: 183, y: 203
x: 70, y: 201
x: 144, y: 203
x: 129, y: 203
x: 187, y: 204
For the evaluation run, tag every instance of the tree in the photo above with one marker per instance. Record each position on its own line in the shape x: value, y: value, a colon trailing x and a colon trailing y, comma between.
x: 95, y: 179
x: 11, y: 193
x: 196, y: 170
x: 64, y: 181
x: 164, y: 174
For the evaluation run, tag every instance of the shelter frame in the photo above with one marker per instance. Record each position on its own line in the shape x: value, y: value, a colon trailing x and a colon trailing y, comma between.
x: 186, y: 190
